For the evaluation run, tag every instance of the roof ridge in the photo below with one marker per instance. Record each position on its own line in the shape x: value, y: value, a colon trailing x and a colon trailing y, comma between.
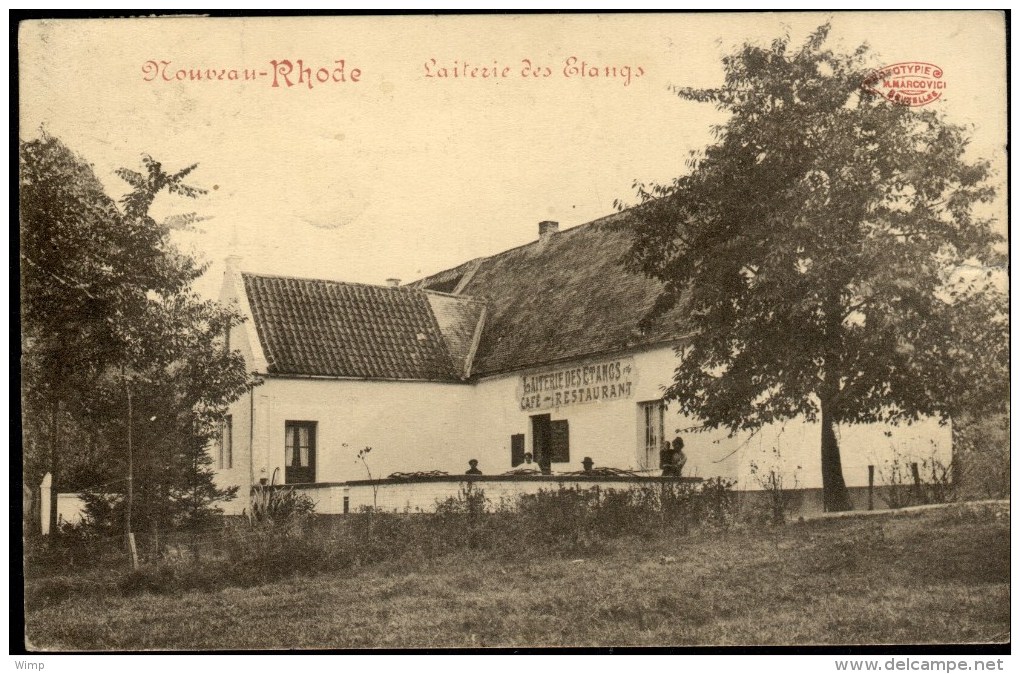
x: 328, y: 280
x: 466, y: 298
x: 569, y: 230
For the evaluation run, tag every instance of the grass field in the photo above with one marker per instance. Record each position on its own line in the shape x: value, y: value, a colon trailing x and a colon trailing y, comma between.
x: 935, y: 576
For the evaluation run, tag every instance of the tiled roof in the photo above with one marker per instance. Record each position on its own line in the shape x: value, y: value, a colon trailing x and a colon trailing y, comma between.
x: 458, y: 319
x: 564, y: 298
x: 334, y: 329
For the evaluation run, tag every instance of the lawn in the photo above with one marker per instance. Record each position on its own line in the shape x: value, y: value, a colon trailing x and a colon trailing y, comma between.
x: 933, y: 576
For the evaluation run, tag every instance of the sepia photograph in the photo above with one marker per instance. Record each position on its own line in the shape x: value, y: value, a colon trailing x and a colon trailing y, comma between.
x: 514, y: 332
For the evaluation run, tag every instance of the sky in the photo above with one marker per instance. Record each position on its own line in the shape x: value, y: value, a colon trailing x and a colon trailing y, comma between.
x: 405, y: 172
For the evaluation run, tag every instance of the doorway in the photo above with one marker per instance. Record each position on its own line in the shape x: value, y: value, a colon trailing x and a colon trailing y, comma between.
x: 299, y: 452
x: 541, y: 441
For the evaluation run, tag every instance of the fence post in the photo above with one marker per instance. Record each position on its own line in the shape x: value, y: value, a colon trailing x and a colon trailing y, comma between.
x: 918, y: 496
x: 44, y: 503
x: 132, y: 550
x: 871, y: 487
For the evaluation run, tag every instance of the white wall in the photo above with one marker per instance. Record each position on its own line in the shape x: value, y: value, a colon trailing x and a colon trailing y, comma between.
x: 423, y: 497
x: 410, y: 426
x: 612, y: 434
x: 70, y: 507
x: 423, y: 426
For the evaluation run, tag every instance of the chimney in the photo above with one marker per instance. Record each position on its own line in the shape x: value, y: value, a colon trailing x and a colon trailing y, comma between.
x: 546, y: 229
x: 233, y: 263
x: 393, y: 282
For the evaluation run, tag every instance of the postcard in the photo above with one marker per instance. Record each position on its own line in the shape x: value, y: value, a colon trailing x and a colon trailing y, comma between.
x: 514, y: 331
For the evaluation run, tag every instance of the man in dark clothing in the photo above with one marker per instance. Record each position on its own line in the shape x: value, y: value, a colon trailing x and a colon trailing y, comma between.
x: 473, y: 470
x: 667, y: 459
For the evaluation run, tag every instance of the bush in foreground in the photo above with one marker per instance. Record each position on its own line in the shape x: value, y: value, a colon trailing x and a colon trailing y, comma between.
x: 558, y: 522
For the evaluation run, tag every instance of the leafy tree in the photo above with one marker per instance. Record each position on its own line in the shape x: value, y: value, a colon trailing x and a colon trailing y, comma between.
x: 182, y: 380
x: 85, y: 273
x: 821, y: 248
x: 107, y: 308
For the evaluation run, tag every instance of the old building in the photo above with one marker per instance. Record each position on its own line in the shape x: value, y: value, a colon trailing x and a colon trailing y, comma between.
x: 536, y: 349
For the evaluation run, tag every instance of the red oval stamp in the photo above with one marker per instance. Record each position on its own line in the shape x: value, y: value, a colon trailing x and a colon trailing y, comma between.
x: 912, y: 83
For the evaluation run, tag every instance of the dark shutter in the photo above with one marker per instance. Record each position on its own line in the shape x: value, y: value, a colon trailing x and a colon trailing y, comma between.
x: 516, y: 449
x: 559, y: 441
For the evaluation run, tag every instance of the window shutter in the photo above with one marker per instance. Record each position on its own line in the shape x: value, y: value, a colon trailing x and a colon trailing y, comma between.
x: 516, y: 449
x: 559, y: 439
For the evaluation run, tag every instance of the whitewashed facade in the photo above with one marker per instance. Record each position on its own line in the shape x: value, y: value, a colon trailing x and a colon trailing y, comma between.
x: 611, y: 403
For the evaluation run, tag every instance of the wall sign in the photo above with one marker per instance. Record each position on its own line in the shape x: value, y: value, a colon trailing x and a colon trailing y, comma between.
x: 601, y: 381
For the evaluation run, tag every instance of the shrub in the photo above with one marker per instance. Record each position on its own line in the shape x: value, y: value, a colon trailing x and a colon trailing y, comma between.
x: 55, y: 589
x: 896, y: 492
x: 981, y: 458
x: 286, y: 542
x: 933, y: 483
x: 781, y: 497
x: 563, y: 520
x: 937, y: 485
x: 272, y: 503
x: 80, y: 545
x: 463, y: 517
x: 715, y: 504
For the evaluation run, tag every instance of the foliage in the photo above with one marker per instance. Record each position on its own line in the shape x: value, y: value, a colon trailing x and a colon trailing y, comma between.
x: 470, y: 500
x: 937, y: 484
x: 86, y: 270
x: 271, y: 504
x: 911, y: 483
x: 981, y: 455
x: 936, y: 576
x: 111, y: 322
x: 558, y: 522
x: 82, y: 545
x: 781, y: 495
x: 363, y: 458
x: 828, y: 251
x: 896, y: 491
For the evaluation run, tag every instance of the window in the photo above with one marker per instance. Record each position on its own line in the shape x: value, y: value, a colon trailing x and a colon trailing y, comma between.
x: 651, y: 416
x: 226, y: 458
x: 299, y: 452
x: 559, y: 441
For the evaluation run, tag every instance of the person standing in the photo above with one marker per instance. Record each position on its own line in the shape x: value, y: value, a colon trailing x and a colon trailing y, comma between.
x: 666, y: 459
x: 679, y: 458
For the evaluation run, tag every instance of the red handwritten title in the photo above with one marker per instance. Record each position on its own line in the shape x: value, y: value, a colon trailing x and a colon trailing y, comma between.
x: 280, y: 73
x: 572, y: 67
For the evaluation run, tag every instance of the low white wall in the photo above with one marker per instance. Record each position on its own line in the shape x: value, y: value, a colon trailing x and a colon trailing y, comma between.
x: 423, y: 496
x: 70, y: 508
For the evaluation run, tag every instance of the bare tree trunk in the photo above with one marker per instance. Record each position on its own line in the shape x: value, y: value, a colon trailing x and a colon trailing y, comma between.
x: 130, y: 452
x: 835, y: 496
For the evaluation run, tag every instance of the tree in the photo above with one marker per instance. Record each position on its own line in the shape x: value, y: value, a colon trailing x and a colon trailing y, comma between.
x: 107, y: 308
x: 817, y: 246
x: 86, y: 272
